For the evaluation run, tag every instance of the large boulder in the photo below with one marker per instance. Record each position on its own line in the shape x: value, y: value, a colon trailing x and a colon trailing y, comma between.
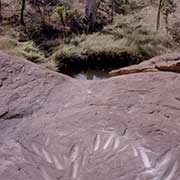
x: 56, y: 128
x: 169, y: 62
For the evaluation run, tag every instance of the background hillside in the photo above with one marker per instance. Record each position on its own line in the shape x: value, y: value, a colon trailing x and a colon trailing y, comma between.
x: 55, y: 33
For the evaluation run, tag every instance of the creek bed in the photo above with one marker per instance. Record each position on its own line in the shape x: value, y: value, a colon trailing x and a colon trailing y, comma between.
x: 88, y: 73
x: 94, y: 67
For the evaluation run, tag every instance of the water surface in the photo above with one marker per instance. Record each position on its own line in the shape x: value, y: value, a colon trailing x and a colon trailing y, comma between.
x: 88, y: 74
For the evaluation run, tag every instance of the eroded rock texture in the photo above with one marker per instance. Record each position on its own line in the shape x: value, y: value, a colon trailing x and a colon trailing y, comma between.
x: 56, y: 128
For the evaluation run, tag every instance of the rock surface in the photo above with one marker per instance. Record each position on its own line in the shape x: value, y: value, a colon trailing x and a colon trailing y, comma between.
x: 56, y: 128
x: 169, y: 62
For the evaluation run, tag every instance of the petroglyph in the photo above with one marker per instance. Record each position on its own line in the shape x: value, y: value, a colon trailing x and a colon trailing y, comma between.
x: 35, y: 149
x: 164, y: 169
x: 46, y: 155
x: 74, y: 152
x: 57, y: 162
x: 89, y: 91
x: 74, y: 168
x: 135, y: 151
x: 165, y: 159
x: 116, y: 143
x: 97, y: 142
x: 124, y: 148
x: 144, y: 158
x: 170, y: 172
x: 47, y: 141
x: 108, y: 142
x: 77, y: 158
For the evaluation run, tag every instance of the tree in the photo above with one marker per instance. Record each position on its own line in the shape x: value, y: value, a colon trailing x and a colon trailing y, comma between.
x: 90, y: 12
x: 22, y: 12
x: 167, y: 7
x: 0, y: 11
x: 112, y: 10
x: 44, y: 8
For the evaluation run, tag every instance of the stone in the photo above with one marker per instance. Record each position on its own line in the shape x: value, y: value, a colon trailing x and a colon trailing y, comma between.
x: 52, y: 128
x: 169, y: 62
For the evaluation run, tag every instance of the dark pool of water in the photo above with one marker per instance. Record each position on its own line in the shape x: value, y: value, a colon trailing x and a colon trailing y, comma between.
x: 88, y: 74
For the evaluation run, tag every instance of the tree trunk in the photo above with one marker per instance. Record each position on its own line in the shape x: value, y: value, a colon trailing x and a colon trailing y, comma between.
x: 90, y: 12
x: 0, y: 11
x: 158, y: 15
x: 112, y: 10
x: 22, y: 12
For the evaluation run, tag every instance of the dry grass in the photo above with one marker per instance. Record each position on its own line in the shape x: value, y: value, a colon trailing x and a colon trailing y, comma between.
x: 7, y: 43
x: 132, y: 37
x: 129, y: 36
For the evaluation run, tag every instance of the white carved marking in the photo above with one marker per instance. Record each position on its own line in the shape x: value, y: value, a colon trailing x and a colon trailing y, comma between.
x: 97, y: 142
x: 145, y: 158
x: 147, y: 150
x: 57, y: 163
x: 74, y: 153
x: 66, y: 105
x: 135, y: 151
x: 124, y: 148
x: 46, y: 155
x: 172, y: 172
x: 116, y: 143
x: 83, y: 160
x: 89, y: 92
x: 74, y: 169
x: 45, y: 175
x: 165, y: 160
x: 47, y: 141
x: 161, y: 167
x: 108, y: 141
x: 35, y: 149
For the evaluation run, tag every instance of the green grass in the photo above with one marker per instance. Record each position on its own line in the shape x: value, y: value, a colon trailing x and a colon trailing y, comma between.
x: 32, y: 53
x: 29, y: 51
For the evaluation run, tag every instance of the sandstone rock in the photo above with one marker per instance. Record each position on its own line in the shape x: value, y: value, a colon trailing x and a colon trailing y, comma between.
x: 56, y: 128
x: 169, y: 62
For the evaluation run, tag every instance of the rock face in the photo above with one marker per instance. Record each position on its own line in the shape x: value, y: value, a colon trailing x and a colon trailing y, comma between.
x: 56, y: 128
x: 169, y: 62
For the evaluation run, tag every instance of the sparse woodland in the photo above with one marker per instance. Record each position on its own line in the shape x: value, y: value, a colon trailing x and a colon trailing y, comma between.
x: 65, y: 33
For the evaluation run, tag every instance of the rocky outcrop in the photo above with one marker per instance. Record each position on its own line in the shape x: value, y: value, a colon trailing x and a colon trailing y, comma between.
x: 56, y: 128
x: 170, y: 62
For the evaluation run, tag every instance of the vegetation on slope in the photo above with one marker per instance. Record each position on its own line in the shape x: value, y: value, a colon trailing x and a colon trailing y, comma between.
x: 57, y: 32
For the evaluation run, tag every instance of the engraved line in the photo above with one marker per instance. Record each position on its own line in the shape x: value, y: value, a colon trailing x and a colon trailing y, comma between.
x: 145, y: 158
x: 172, y: 172
x: 46, y: 155
x: 35, y: 149
x: 57, y: 163
x: 74, y: 152
x: 108, y: 141
x: 47, y: 141
x: 116, y: 143
x: 97, y: 142
x: 74, y: 169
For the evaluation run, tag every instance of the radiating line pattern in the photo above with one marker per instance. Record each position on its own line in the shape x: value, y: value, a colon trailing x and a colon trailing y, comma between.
x: 106, y: 146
